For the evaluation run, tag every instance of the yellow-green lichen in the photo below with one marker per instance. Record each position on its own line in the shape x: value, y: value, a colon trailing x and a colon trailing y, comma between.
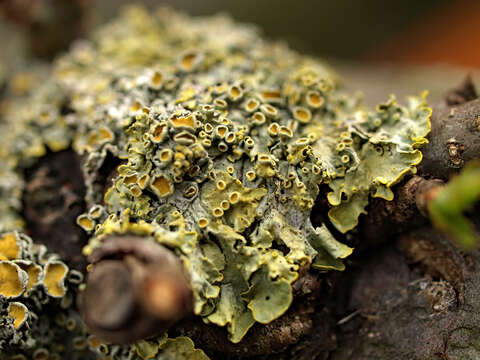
x: 31, y: 282
x: 18, y: 312
x: 222, y: 144
x: 9, y: 248
x: 12, y: 280
x: 54, y: 278
x: 33, y: 271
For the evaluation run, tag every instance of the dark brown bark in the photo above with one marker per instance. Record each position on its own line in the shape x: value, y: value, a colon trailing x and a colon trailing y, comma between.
x: 52, y: 200
x: 416, y: 303
x: 454, y: 139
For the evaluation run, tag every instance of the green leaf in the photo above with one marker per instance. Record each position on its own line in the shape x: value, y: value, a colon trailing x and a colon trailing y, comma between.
x: 447, y: 209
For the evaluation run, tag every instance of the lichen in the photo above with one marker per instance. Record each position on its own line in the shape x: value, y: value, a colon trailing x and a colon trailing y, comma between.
x: 223, y: 141
x: 54, y: 278
x: 180, y: 348
x: 25, y: 300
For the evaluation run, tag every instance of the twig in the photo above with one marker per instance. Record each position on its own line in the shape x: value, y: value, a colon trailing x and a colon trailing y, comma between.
x: 349, y: 317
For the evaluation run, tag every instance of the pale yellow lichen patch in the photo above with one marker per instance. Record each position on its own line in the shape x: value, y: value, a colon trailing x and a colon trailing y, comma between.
x: 273, y: 129
x: 235, y: 93
x: 85, y: 222
x: 166, y: 155
x: 286, y: 132
x: 135, y: 190
x: 55, y: 273
x: 157, y: 78
x: 185, y: 95
x: 302, y: 114
x: 45, y: 118
x: 137, y: 105
x: 225, y: 205
x: 130, y: 179
x: 221, y: 185
x: 251, y: 175
x: 9, y: 248
x: 202, y: 222
x: 147, y: 349
x: 265, y: 169
x: 161, y: 186
x: 143, y: 180
x: 234, y: 197
x: 95, y: 212
x: 269, y: 110
x: 252, y: 105
x: 187, y: 121
x: 220, y: 103
x: 157, y: 133
x: 230, y: 138
x: 189, y: 61
x: 271, y: 95
x: 221, y: 131
x: 18, y: 312
x: 33, y: 271
x: 71, y: 324
x: 99, y: 136
x: 12, y: 280
x: 105, y: 134
x: 34, y: 150
x: 190, y: 192
x: 314, y: 99
x: 185, y: 138
x: 217, y: 212
x: 241, y: 212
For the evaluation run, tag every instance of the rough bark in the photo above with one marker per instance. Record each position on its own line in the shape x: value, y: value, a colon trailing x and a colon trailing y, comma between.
x: 454, y: 139
x: 422, y: 306
x: 52, y: 200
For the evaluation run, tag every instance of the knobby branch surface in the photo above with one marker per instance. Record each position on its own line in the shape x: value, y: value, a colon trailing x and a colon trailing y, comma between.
x: 135, y: 289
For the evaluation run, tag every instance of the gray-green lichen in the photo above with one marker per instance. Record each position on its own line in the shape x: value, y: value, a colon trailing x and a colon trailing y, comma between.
x: 224, y: 140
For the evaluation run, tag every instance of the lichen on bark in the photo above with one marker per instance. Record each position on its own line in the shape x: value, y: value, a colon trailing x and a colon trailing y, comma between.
x: 220, y: 141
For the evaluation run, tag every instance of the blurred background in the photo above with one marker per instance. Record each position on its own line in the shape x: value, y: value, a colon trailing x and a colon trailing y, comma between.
x: 377, y: 46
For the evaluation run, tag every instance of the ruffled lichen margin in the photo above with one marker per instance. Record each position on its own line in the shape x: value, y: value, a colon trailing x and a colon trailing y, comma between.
x: 224, y: 140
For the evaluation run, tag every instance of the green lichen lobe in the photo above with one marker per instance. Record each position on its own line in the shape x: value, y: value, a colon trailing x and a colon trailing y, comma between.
x: 223, y: 140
